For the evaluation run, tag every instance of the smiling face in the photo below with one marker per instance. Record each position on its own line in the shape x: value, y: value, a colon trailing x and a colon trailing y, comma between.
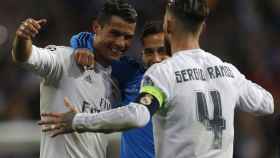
x: 113, y: 39
x: 154, y: 49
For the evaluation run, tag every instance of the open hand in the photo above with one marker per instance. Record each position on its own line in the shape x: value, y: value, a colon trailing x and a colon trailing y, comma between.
x: 59, y: 123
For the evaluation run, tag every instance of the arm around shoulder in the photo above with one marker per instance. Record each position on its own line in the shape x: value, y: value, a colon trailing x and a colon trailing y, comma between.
x: 133, y: 115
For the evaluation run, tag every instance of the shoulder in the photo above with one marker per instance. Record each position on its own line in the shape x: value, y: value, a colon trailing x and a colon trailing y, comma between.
x: 165, y: 68
x: 229, y: 68
x: 63, y: 54
x: 204, y: 58
x: 234, y: 70
x: 126, y: 68
x: 127, y: 61
x: 52, y: 50
x: 83, y: 35
x: 59, y: 50
x: 81, y: 40
x: 212, y: 57
x: 55, y: 48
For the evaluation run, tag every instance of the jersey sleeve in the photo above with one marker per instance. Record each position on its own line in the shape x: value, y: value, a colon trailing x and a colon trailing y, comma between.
x: 45, y: 62
x: 119, y: 119
x: 157, y: 81
x: 252, y: 97
x: 128, y: 74
x: 82, y: 40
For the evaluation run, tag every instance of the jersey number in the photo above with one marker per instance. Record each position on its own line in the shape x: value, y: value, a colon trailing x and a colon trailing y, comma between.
x: 218, y: 123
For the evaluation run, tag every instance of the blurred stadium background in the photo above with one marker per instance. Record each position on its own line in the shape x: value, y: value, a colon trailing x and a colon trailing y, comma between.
x: 243, y: 32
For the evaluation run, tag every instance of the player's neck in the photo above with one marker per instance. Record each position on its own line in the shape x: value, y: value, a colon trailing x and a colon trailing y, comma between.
x: 180, y: 43
x: 99, y: 59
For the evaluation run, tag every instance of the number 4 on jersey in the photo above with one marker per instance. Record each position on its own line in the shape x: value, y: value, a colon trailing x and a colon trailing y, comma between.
x: 218, y: 123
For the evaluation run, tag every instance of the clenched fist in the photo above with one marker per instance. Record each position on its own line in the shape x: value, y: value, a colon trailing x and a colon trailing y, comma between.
x: 84, y: 58
x: 30, y: 28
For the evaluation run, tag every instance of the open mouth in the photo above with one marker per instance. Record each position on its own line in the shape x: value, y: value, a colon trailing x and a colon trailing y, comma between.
x: 116, y: 52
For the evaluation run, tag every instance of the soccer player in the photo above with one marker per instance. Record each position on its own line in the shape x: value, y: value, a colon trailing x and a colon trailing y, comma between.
x: 135, y: 143
x: 89, y: 89
x: 192, y: 95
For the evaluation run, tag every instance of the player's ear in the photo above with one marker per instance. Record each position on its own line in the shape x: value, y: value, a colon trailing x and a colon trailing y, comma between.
x: 94, y: 25
x: 169, y: 24
x: 203, y: 27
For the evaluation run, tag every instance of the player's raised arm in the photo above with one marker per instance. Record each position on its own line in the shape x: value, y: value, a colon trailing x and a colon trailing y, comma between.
x: 46, y: 62
x: 22, y: 45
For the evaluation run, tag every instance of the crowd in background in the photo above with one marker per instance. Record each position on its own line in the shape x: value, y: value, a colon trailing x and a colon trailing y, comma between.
x: 243, y: 32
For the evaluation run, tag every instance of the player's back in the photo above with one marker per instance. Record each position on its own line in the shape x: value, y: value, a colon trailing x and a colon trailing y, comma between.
x: 198, y: 120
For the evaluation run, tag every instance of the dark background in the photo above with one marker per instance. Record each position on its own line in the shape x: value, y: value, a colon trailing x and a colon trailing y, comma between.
x: 242, y: 32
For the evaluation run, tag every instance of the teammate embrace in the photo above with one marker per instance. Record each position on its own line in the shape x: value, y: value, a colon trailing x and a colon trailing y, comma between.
x: 191, y: 119
x: 89, y: 89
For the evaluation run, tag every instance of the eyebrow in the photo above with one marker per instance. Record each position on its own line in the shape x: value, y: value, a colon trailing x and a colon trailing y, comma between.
x: 162, y: 46
x: 122, y: 33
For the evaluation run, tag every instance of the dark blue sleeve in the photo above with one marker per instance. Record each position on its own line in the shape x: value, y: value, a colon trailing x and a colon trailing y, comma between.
x: 82, y: 40
x: 129, y: 74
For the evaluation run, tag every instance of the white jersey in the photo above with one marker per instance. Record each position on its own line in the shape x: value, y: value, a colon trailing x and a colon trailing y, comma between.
x: 89, y: 91
x: 201, y: 93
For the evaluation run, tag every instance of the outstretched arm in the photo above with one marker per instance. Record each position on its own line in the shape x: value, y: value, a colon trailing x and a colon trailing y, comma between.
x: 45, y: 62
x: 134, y: 115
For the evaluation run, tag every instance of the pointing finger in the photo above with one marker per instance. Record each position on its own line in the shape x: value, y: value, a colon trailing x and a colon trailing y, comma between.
x: 42, y: 22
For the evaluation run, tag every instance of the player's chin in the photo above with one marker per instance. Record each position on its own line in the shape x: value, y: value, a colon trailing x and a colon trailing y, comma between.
x: 115, y: 56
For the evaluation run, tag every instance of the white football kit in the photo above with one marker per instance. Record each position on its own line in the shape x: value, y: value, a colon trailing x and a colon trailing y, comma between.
x: 90, y: 91
x: 199, y: 94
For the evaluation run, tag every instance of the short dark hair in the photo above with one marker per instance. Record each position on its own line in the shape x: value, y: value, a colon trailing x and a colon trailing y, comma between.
x: 120, y: 8
x: 191, y: 13
x: 150, y: 28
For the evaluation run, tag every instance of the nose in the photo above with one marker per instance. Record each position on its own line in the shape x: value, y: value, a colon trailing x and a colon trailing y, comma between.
x: 120, y: 42
x: 156, y: 58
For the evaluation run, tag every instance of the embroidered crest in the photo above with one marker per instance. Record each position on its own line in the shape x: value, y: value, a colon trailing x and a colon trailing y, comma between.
x: 51, y: 47
x: 147, y: 81
x: 146, y: 99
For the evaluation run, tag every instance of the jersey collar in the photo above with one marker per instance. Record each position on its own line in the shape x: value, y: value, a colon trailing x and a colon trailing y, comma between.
x: 189, y: 51
x: 106, y: 70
